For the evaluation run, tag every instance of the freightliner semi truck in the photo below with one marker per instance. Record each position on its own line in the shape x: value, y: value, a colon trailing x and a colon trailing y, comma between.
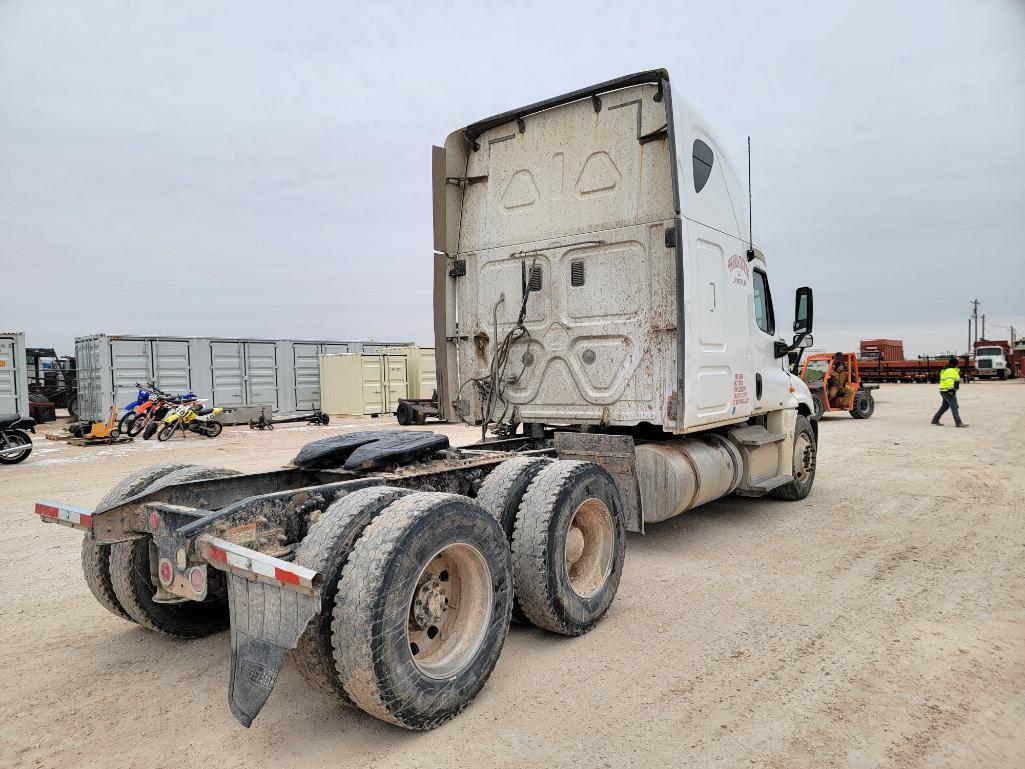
x: 602, y: 314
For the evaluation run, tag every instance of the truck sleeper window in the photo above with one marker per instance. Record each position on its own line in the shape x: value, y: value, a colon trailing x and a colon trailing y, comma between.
x: 764, y: 316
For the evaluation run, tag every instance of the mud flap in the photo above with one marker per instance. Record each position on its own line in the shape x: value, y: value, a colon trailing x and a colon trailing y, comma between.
x: 266, y: 623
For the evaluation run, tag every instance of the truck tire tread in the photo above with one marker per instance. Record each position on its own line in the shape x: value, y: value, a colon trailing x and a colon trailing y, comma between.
x: 542, y: 589
x: 96, y: 557
x: 795, y: 491
x: 382, y: 564
x: 326, y: 549
x: 504, y: 487
x: 130, y: 578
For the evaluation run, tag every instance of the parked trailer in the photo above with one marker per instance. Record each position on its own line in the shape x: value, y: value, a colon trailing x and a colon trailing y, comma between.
x: 923, y: 369
x: 13, y: 374
x: 630, y: 357
x: 284, y: 374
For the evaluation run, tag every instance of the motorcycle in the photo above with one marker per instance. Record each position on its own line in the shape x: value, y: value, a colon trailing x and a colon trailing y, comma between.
x: 193, y: 417
x: 15, y: 443
x: 131, y: 409
x: 154, y: 419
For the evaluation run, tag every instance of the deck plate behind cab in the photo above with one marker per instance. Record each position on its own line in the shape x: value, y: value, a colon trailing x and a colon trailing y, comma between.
x: 370, y: 450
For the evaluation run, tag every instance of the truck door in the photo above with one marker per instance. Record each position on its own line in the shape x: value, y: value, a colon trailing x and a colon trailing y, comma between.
x: 771, y: 386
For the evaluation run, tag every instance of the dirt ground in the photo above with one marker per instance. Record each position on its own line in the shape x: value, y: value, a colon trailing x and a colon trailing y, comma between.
x: 878, y: 623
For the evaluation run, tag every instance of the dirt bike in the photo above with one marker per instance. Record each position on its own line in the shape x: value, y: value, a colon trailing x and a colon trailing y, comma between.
x: 131, y: 410
x: 191, y: 417
x: 15, y: 443
x: 153, y: 420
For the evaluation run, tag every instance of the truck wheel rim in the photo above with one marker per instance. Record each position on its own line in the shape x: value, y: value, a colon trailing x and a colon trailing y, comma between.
x: 449, y: 611
x: 804, y: 457
x: 588, y: 549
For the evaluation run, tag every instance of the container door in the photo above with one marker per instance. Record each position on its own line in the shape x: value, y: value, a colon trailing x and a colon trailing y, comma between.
x: 92, y: 373
x: 8, y: 378
x: 227, y: 373
x: 398, y: 384
x: 428, y: 373
x: 172, y: 365
x: 129, y: 363
x: 306, y: 362
x: 262, y: 373
x: 374, y: 383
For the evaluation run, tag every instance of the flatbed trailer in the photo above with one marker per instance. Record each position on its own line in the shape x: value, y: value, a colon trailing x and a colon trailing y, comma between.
x: 626, y: 355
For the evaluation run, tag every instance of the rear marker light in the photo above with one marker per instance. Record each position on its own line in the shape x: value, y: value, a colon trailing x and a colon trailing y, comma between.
x: 197, y: 580
x: 166, y: 572
x: 154, y: 521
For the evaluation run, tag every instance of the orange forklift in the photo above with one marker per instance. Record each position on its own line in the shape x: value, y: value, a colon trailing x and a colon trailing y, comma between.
x: 833, y: 390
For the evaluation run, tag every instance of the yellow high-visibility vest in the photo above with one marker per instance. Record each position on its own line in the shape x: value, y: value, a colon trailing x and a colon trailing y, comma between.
x: 949, y: 377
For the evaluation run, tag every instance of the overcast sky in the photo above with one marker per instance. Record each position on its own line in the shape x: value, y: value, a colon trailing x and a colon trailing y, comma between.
x: 262, y: 168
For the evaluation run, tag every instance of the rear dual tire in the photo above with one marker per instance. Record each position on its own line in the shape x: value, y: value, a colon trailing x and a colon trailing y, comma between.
x: 119, y: 575
x: 326, y: 549
x: 422, y: 609
x: 568, y: 547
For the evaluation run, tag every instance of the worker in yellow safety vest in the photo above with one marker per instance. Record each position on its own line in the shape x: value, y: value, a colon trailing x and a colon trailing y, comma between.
x: 950, y: 380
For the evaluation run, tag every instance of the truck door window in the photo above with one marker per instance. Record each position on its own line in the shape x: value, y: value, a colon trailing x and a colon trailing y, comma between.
x: 764, y: 316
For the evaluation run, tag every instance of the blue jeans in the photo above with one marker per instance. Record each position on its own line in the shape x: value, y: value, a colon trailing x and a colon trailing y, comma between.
x: 949, y: 402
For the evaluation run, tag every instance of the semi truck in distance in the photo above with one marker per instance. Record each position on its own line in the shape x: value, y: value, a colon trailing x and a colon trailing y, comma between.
x: 603, y: 316
x: 993, y: 359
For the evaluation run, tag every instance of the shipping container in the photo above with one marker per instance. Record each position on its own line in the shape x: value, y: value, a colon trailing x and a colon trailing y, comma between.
x: 281, y: 373
x: 13, y: 373
x: 882, y: 349
x: 371, y: 384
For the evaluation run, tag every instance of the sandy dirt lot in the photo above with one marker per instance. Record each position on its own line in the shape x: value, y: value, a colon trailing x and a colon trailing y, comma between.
x: 878, y: 623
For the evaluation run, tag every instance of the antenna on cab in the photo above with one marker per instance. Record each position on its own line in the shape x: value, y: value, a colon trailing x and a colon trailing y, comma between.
x: 750, y: 218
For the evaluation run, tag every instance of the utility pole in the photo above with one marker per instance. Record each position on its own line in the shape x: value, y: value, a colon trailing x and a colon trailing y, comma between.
x: 975, y: 317
x: 983, y: 325
x: 1012, y: 337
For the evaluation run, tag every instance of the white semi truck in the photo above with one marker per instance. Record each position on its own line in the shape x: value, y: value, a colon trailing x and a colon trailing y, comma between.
x: 992, y: 360
x: 600, y: 310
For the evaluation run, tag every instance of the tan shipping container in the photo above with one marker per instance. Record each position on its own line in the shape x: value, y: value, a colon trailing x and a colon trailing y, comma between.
x: 364, y: 384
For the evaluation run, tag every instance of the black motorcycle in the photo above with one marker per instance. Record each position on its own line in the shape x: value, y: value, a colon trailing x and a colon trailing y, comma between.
x: 15, y: 443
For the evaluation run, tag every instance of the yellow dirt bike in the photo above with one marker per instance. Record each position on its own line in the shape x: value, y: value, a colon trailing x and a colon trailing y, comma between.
x: 191, y: 417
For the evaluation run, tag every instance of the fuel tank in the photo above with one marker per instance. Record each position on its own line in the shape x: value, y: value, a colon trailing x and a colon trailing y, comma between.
x: 675, y: 476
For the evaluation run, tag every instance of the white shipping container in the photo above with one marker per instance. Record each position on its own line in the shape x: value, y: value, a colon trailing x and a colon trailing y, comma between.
x: 283, y: 373
x: 13, y: 373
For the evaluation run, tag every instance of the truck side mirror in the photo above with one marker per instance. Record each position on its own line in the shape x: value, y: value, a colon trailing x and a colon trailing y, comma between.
x: 803, y: 311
